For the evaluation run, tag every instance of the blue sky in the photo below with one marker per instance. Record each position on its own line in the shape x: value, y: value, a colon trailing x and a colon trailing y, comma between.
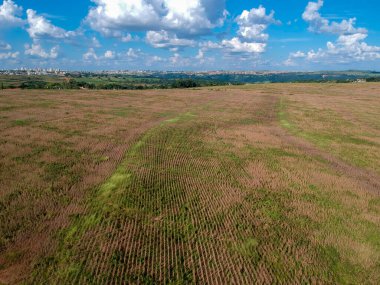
x: 190, y: 34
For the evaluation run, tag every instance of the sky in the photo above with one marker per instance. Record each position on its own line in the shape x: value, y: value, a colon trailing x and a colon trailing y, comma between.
x: 198, y: 35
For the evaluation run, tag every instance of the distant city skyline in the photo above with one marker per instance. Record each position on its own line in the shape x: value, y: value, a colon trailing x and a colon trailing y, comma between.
x: 199, y: 35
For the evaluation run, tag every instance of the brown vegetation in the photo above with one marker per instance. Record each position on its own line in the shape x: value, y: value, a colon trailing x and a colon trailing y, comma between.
x: 252, y: 184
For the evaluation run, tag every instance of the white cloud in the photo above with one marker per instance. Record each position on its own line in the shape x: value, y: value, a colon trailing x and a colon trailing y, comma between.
x: 151, y: 60
x: 298, y: 54
x: 185, y: 17
x: 251, y: 37
x: 156, y: 58
x: 9, y: 14
x: 193, y: 16
x: 176, y: 61
x: 349, y: 40
x: 132, y: 53
x: 175, y: 58
x: 253, y: 23
x: 254, y: 32
x: 289, y: 62
x: 349, y: 47
x: 36, y: 50
x: 210, y: 45
x: 319, y: 24
x: 200, y: 55
x: 5, y: 46
x: 95, y: 42
x: 109, y: 54
x: 346, y: 49
x: 42, y: 28
x: 110, y: 16
x: 126, y: 38
x: 129, y: 55
x: 236, y: 45
x: 163, y: 39
x: 90, y: 55
x: 9, y: 55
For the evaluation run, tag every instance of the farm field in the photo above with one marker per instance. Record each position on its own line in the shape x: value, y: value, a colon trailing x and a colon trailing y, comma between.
x: 252, y: 184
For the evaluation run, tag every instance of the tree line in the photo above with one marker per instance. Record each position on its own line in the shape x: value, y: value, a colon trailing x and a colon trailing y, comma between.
x: 75, y: 84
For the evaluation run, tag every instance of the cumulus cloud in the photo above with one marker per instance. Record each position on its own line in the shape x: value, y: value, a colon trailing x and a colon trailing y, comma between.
x: 110, y: 17
x: 200, y: 55
x: 177, y: 60
x: 109, y: 54
x: 253, y: 23
x: 164, y: 39
x: 36, y: 50
x: 350, y: 45
x: 185, y: 17
x: 90, y: 55
x: 95, y: 42
x: 10, y: 14
x: 132, y: 53
x: 126, y: 38
x: 42, y: 28
x: 129, y: 55
x: 251, y: 33
x: 194, y: 16
x: 9, y: 55
x: 156, y: 58
x: 209, y: 45
x: 5, y: 46
x: 297, y: 54
x: 236, y: 45
x: 319, y: 24
x: 346, y: 49
x: 202, y: 58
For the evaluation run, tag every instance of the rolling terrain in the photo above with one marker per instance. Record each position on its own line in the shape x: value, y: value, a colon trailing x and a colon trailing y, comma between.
x: 251, y: 184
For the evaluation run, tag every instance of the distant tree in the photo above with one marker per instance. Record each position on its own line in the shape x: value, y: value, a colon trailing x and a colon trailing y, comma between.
x: 72, y: 84
x: 373, y: 79
x: 34, y: 84
x: 185, y: 83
